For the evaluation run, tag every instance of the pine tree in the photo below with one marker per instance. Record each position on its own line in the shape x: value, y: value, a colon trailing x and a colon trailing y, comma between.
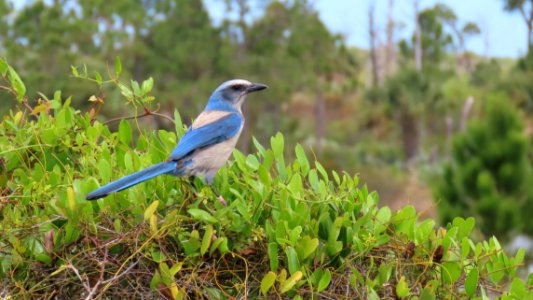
x: 487, y: 176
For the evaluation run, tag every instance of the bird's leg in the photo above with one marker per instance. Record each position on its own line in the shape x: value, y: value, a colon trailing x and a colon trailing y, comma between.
x: 209, y: 179
x: 220, y: 198
x: 193, y: 186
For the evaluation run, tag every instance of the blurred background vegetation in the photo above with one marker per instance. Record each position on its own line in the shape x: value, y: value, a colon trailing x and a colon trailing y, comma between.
x: 422, y: 119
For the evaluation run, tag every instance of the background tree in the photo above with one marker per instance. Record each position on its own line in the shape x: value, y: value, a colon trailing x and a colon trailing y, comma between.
x: 525, y: 8
x: 488, y: 174
x: 44, y: 40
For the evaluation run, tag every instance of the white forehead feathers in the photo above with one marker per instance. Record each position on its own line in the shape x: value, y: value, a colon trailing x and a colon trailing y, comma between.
x: 234, y: 82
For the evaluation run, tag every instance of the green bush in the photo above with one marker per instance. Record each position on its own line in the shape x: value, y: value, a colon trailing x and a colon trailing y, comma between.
x: 488, y: 175
x: 290, y: 230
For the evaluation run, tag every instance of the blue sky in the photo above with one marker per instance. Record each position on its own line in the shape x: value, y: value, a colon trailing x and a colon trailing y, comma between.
x: 503, y: 34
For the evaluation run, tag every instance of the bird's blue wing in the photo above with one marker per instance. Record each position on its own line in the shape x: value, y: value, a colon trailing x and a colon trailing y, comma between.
x: 213, y: 133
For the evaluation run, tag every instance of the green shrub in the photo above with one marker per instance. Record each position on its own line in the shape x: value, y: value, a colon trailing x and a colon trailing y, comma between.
x: 488, y: 176
x: 290, y: 230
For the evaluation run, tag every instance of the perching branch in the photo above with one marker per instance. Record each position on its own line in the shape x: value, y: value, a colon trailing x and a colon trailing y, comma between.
x: 146, y: 113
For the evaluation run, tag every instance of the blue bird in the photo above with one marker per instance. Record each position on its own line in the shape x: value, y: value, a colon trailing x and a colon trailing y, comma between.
x: 207, y: 144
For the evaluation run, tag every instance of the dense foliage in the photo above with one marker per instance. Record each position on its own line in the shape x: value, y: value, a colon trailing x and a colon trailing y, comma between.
x: 375, y: 111
x: 488, y: 176
x: 290, y: 230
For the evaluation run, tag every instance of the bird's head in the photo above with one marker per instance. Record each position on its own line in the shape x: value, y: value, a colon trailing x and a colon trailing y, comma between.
x: 231, y: 94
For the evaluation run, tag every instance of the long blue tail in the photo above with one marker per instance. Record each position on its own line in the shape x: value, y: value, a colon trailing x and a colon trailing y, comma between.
x: 132, y: 179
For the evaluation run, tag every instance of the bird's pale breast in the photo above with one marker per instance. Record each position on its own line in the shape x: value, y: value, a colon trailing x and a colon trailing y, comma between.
x: 208, y: 160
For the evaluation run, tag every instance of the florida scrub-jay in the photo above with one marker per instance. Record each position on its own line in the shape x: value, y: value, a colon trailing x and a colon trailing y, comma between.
x: 207, y: 144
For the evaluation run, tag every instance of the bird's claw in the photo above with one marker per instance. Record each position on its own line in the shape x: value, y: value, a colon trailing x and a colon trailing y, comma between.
x: 221, y: 199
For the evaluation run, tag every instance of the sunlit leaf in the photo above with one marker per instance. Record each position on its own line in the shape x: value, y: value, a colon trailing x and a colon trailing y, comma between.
x: 267, y: 282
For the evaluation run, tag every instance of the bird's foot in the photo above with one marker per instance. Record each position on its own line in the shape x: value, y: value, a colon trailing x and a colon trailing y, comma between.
x: 221, y: 199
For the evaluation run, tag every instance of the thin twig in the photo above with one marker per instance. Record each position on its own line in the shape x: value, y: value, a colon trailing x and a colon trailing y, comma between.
x: 146, y: 113
x: 127, y: 118
x: 11, y: 91
x: 100, y: 277
x: 85, y: 285
x: 164, y: 117
x: 121, y: 274
x: 5, y: 88
x: 27, y: 106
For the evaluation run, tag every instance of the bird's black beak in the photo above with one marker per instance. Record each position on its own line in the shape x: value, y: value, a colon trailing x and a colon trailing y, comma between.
x: 256, y: 87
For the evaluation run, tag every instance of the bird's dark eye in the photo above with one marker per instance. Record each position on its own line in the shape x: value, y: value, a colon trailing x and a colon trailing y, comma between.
x: 238, y: 87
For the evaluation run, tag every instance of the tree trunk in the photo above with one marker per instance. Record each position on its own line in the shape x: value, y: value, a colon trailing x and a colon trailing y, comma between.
x: 529, y: 37
x: 449, y: 136
x: 409, y: 135
x: 418, y: 36
x: 467, y: 107
x: 241, y: 53
x: 320, y: 120
x: 528, y: 18
x: 390, y: 57
x: 373, y: 53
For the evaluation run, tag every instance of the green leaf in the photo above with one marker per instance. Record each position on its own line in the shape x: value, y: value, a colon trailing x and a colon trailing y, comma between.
x: 451, y: 271
x: 371, y: 294
x: 124, y: 132
x: 98, y: 78
x: 277, y: 144
x: 423, y: 231
x: 156, y: 279
x: 518, y: 289
x: 313, y: 179
x: 206, y: 240
x: 136, y: 88
x: 324, y: 281
x: 295, y: 185
x: 125, y: 91
x: 147, y: 85
x: 223, y: 246
x: 292, y: 260
x: 202, y: 215
x: 179, y: 125
x: 291, y: 281
x: 158, y: 256
x: 496, y: 271
x: 306, y: 247
x: 427, y: 294
x: 192, y: 244
x: 382, y: 219
x: 385, y: 272
x: 3, y: 67
x: 74, y: 71
x: 105, y: 170
x: 302, y: 159
x: 128, y: 161
x: 322, y: 171
x: 16, y: 83
x: 252, y: 162
x: 519, y: 257
x: 258, y: 146
x: 471, y: 282
x: 402, y: 288
x: 150, y: 210
x: 465, y: 248
x: 465, y: 226
x: 273, y: 256
x: 175, y: 268
x: 118, y: 66
x: 267, y: 282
